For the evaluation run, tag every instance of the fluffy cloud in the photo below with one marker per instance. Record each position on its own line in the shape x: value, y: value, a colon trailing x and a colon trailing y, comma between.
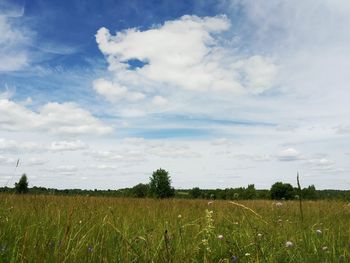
x: 159, y: 101
x: 12, y: 146
x: 113, y: 92
x: 7, y: 160
x: 184, y: 53
x: 289, y: 154
x: 173, y: 151
x: 56, y: 118
x: 61, y: 146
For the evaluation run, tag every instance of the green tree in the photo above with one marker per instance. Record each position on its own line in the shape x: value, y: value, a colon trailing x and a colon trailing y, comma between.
x: 309, y: 193
x: 280, y: 190
x: 250, y: 192
x: 140, y: 190
x: 160, y: 184
x: 195, y: 192
x: 22, y: 185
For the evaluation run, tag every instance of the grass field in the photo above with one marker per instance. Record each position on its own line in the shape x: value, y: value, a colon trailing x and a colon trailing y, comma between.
x: 96, y: 229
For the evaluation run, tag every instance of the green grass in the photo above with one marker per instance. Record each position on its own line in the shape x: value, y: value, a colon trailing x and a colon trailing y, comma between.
x: 93, y: 229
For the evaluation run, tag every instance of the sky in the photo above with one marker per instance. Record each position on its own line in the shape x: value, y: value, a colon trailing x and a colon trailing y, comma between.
x: 97, y: 94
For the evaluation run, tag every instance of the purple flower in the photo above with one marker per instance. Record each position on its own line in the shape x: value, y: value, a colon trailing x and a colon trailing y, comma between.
x: 234, y: 258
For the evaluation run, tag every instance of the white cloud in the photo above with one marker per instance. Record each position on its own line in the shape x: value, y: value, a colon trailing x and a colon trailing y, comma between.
x: 253, y: 157
x: 114, y: 92
x: 34, y: 161
x: 184, y: 53
x: 222, y: 141
x: 343, y: 129
x: 7, y: 160
x: 16, y: 147
x: 114, y: 156
x: 159, y: 101
x: 289, y: 154
x: 61, y: 146
x: 56, y: 118
x: 12, y: 46
x: 173, y: 151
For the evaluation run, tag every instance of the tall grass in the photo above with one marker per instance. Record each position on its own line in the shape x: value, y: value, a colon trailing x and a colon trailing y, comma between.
x: 96, y: 229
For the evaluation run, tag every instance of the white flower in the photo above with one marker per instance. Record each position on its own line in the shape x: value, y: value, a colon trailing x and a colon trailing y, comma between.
x: 278, y: 204
x: 247, y: 254
x: 259, y: 235
x: 318, y: 232
x: 179, y: 216
x: 289, y: 244
x: 324, y: 248
x: 220, y: 237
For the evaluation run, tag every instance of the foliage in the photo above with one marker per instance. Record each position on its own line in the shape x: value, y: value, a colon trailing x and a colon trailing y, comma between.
x: 160, y: 184
x: 195, y: 192
x: 140, y: 190
x: 281, y: 190
x: 22, y: 185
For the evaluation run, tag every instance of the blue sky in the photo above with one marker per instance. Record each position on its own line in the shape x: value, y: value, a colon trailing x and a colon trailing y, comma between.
x: 220, y: 93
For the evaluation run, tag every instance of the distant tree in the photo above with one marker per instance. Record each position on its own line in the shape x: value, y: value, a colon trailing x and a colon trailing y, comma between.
x: 309, y: 193
x: 160, y: 184
x: 195, y: 192
x: 250, y: 192
x: 22, y: 185
x: 281, y: 190
x: 140, y: 190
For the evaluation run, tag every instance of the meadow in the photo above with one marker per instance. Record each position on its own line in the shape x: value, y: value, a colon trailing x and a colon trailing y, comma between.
x: 98, y: 229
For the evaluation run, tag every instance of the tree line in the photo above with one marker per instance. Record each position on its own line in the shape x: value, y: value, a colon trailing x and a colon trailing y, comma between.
x: 159, y: 186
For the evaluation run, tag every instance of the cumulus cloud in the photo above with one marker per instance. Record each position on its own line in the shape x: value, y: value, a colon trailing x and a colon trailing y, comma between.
x: 13, y: 146
x: 114, y: 92
x: 254, y: 157
x: 56, y: 118
x: 184, y: 53
x: 34, y: 161
x: 159, y: 101
x: 114, y: 156
x: 61, y: 146
x: 7, y: 160
x: 289, y: 154
x: 173, y: 151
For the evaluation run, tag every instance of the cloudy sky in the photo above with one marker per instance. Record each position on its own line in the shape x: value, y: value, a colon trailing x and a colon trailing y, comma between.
x: 100, y: 93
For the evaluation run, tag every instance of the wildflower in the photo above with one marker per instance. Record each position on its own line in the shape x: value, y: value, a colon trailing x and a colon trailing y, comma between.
x: 279, y: 220
x: 324, y: 248
x: 52, y: 244
x: 247, y: 254
x: 80, y: 221
x: 289, y: 244
x: 179, y: 216
x: 259, y: 235
x: 278, y: 204
x: 234, y: 258
x: 318, y: 232
x: 90, y: 249
x: 221, y: 237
